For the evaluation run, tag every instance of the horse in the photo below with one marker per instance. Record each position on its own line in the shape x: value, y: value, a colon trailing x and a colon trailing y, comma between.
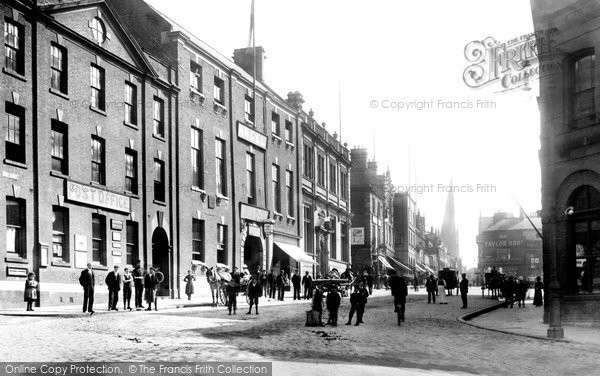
x: 214, y: 281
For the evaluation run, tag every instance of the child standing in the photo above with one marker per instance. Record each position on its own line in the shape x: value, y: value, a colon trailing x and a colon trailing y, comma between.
x: 189, y: 285
x: 127, y: 289
x: 31, y: 290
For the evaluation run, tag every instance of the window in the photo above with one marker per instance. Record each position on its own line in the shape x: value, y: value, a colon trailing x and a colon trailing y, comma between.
x: 276, y: 189
x: 222, y: 244
x: 320, y: 170
x: 15, y: 226
x: 583, y: 87
x: 59, y: 148
x: 131, y: 242
x: 221, y: 173
x: 275, y: 123
x: 197, y: 165
x: 333, y: 178
x: 289, y: 132
x: 250, y: 179
x: 308, y: 230
x: 333, y: 239
x: 249, y: 109
x: 130, y: 103
x: 289, y: 187
x: 15, y: 133
x: 98, y: 89
x: 584, y: 237
x: 219, y: 91
x: 60, y: 234
x: 131, y: 180
x: 98, y: 160
x: 344, y: 184
x: 308, y: 162
x: 198, y: 240
x: 98, y: 30
x: 14, y: 47
x: 344, y: 241
x: 196, y: 76
x: 58, y: 66
x: 158, y: 125
x: 159, y: 180
x: 99, y: 239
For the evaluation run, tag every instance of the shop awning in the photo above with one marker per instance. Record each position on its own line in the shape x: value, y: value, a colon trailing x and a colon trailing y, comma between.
x: 431, y: 271
x: 419, y: 268
x: 385, y: 262
x: 399, y: 263
x: 296, y: 253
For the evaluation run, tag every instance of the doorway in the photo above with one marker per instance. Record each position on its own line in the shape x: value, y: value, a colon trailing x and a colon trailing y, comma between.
x: 253, y: 254
x: 160, y: 259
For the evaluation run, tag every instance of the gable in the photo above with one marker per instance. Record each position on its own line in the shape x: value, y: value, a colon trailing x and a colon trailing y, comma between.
x: 99, y: 26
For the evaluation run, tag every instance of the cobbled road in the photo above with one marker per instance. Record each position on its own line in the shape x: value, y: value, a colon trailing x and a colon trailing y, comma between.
x: 430, y: 339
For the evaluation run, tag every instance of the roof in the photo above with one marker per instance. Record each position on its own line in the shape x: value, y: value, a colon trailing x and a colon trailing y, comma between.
x: 515, y: 224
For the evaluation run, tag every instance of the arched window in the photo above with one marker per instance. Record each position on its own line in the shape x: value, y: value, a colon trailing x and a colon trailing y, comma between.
x: 585, y: 239
x: 98, y: 30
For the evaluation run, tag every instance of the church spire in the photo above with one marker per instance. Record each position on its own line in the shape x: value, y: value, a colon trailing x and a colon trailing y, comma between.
x: 449, y: 233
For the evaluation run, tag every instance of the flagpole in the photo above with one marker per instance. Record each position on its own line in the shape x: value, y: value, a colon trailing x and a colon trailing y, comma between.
x: 254, y: 62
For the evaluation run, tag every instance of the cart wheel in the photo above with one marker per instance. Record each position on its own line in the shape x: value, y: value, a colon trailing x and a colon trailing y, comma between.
x: 222, y: 297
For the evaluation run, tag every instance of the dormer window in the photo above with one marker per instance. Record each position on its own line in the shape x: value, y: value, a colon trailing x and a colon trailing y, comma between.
x: 98, y: 30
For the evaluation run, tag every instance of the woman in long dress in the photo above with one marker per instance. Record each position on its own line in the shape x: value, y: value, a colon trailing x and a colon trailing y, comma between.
x: 189, y: 286
x: 537, y: 296
x: 31, y: 290
x: 442, y: 291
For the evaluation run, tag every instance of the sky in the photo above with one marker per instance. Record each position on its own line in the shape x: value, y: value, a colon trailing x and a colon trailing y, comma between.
x: 398, y: 68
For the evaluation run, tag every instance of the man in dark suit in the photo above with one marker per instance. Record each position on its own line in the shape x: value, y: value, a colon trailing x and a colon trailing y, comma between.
x: 296, y: 285
x: 307, y: 283
x: 113, y: 281
x: 87, y: 280
x: 139, y: 274
x: 464, y: 289
x: 399, y: 292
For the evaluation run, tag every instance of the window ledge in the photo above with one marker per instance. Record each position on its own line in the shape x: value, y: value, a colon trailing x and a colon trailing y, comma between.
x: 220, y: 105
x: 61, y: 264
x: 96, y: 184
x: 291, y: 219
x: 58, y: 175
x: 16, y: 259
x: 97, y: 110
x: 276, y: 137
x: 98, y: 267
x: 132, y: 195
x: 15, y: 163
x: 158, y: 137
x: 59, y: 93
x: 131, y: 125
x: 158, y: 202
x: 221, y: 198
x: 14, y: 74
x: 196, y: 92
x: 291, y: 145
x: 277, y: 214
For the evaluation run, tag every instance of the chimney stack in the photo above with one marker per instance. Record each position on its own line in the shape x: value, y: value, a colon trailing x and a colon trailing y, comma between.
x: 244, y: 58
x: 295, y: 100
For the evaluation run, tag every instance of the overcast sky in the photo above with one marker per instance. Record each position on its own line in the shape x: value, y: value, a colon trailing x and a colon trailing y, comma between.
x: 383, y: 51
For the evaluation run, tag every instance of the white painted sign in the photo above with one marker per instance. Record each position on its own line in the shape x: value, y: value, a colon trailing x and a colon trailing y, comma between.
x: 98, y: 197
x: 357, y: 236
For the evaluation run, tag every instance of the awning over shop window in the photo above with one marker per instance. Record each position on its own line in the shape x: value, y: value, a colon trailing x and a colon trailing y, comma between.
x: 419, y: 268
x: 296, y: 253
x: 385, y: 262
x: 399, y: 263
x: 431, y: 271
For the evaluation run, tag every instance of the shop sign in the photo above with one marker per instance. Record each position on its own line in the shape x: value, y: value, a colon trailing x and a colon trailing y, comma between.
x: 253, y: 213
x: 252, y: 136
x: 357, y: 236
x: 97, y: 197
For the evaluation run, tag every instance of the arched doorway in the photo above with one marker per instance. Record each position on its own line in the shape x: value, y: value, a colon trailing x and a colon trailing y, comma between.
x: 253, y: 253
x: 160, y: 258
x: 584, y: 240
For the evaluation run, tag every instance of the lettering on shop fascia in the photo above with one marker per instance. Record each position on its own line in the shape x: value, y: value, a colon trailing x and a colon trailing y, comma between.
x: 97, y: 197
x: 252, y: 136
x: 253, y: 213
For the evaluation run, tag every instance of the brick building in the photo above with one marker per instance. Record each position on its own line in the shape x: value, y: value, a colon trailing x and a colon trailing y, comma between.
x: 372, y: 216
x: 325, y: 196
x: 88, y: 149
x: 567, y: 37
x: 192, y: 161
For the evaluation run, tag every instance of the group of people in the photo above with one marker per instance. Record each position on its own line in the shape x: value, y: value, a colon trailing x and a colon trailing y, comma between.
x: 138, y: 280
x: 358, y: 301
x: 437, y: 288
x: 516, y: 289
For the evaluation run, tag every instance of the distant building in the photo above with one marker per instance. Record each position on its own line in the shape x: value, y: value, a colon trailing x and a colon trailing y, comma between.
x: 511, y: 245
